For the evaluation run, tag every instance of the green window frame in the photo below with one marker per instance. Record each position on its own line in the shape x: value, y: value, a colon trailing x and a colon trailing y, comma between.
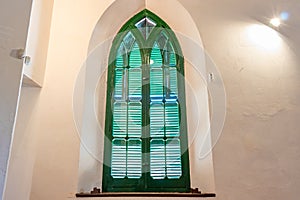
x: 146, y: 145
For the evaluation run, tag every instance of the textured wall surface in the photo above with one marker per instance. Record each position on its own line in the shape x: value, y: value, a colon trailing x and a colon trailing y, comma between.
x: 258, y: 154
x: 13, y: 33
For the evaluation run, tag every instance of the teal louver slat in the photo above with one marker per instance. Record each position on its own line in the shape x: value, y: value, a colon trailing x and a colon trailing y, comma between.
x: 172, y: 119
x: 135, y: 84
x: 118, y: 92
x: 135, y: 56
x: 120, y: 120
x: 172, y: 55
x: 173, y: 158
x: 173, y: 83
x: 172, y: 59
x: 156, y: 84
x: 157, y: 159
x: 134, y: 158
x: 134, y: 119
x: 118, y: 163
x: 156, y: 57
x: 157, y: 120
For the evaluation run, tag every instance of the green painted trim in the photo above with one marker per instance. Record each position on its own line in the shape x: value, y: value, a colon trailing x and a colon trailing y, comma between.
x: 145, y: 183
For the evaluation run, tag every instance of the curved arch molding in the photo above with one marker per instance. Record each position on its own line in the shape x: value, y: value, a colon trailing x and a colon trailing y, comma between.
x: 92, y: 86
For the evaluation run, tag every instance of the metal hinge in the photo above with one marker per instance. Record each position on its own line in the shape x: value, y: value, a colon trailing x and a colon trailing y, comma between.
x: 20, y: 54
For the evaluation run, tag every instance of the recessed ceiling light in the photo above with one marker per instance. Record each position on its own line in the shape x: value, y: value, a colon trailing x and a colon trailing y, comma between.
x: 275, y: 22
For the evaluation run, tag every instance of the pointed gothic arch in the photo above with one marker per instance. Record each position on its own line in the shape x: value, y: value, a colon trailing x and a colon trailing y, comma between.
x: 147, y: 148
x: 93, y: 90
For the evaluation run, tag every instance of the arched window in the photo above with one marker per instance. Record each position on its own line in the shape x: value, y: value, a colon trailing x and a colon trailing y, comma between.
x: 147, y: 147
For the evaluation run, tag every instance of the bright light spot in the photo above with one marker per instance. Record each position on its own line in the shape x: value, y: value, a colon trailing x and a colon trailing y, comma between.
x: 284, y: 16
x: 151, y: 61
x: 264, y: 36
x: 275, y: 22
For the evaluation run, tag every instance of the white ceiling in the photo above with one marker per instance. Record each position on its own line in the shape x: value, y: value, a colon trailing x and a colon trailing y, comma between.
x: 250, y: 10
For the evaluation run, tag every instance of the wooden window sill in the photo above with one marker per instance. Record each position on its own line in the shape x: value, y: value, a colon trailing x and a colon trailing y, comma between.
x: 145, y: 194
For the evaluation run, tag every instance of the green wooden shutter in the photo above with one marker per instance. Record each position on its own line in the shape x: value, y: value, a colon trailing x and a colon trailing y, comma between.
x: 146, y: 128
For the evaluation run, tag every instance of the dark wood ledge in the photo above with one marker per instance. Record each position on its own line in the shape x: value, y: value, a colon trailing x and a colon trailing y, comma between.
x: 145, y: 194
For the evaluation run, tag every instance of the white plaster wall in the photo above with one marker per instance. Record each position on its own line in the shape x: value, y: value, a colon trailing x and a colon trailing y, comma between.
x: 257, y: 156
x: 23, y: 151
x: 56, y: 164
x: 37, y: 40
x: 13, y: 34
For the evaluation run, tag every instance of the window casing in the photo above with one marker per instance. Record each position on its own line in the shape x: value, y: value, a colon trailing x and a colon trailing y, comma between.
x: 146, y: 148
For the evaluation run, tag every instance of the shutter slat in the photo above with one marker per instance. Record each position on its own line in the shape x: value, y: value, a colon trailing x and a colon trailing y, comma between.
x: 156, y: 57
x: 135, y: 56
x: 134, y: 119
x: 118, y: 163
x: 173, y: 83
x: 172, y: 119
x: 156, y: 84
x: 135, y: 84
x: 118, y: 84
x: 134, y: 158
x: 157, y: 120
x: 120, y: 119
x: 157, y: 159
x: 173, y: 159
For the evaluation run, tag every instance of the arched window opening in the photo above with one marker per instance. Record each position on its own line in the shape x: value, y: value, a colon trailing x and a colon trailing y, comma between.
x: 147, y: 147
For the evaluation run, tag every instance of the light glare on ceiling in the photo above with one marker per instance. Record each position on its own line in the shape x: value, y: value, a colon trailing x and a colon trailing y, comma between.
x: 275, y: 22
x: 264, y: 37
